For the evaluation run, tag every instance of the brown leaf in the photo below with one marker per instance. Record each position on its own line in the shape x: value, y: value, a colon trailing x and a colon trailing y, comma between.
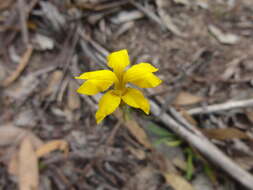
x: 54, y: 81
x: 188, y: 117
x: 224, y: 38
x: 52, y: 146
x: 135, y: 129
x: 177, y: 182
x: 13, y: 164
x: 73, y: 98
x: 225, y: 134
x: 249, y: 115
x: 145, y: 179
x: 10, y: 135
x: 5, y: 4
x: 138, y: 132
x: 138, y: 153
x: 23, y: 63
x: 28, y: 172
x: 245, y: 162
x: 185, y: 98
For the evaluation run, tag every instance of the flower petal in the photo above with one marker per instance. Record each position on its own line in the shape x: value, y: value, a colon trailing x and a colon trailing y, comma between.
x: 107, y: 104
x: 136, y: 99
x: 97, y: 81
x: 99, y: 75
x: 93, y: 86
x: 118, y: 61
x: 142, y: 76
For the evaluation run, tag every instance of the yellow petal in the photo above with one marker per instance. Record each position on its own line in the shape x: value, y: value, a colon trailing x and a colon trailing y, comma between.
x: 118, y: 61
x: 93, y: 86
x: 99, y: 75
x: 107, y: 104
x: 97, y: 81
x: 136, y: 99
x: 142, y: 76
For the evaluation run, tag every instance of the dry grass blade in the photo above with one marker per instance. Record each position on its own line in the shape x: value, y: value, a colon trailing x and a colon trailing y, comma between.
x: 22, y: 65
x: 28, y: 172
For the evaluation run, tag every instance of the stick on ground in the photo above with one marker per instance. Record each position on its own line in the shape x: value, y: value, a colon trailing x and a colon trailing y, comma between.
x: 221, y: 107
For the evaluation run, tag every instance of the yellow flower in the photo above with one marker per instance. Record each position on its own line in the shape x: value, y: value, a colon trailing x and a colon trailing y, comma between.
x: 140, y: 75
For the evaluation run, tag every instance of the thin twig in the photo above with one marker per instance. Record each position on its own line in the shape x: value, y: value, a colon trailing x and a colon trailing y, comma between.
x: 221, y: 107
x: 22, y: 13
x: 148, y: 13
x: 109, y: 140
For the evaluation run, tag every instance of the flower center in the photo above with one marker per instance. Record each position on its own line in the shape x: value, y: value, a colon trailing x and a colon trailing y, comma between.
x: 120, y: 86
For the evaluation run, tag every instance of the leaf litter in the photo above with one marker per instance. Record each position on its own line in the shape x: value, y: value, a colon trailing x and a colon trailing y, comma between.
x: 41, y: 113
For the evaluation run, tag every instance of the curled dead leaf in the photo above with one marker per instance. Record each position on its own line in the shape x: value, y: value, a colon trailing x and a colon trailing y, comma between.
x: 52, y: 146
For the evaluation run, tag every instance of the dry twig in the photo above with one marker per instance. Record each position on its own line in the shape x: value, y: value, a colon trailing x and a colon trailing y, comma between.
x: 22, y: 13
x: 221, y: 107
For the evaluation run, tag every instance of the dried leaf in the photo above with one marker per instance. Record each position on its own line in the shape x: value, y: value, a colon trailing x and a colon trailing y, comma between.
x: 249, y: 115
x: 185, y: 98
x: 232, y: 68
x: 188, y: 117
x: 182, y: 2
x: 135, y: 130
x: 13, y: 165
x: 138, y: 132
x: 5, y: 4
x: 245, y: 162
x: 3, y: 72
x: 177, y: 182
x: 167, y: 19
x: 52, y: 146
x: 180, y: 163
x: 24, y: 88
x: 28, y: 172
x: 224, y: 38
x: 146, y: 178
x: 54, y: 16
x: 73, y: 98
x: 126, y: 16
x: 225, y: 134
x: 43, y: 42
x: 138, y: 153
x: 54, y: 81
x: 10, y: 135
x: 202, y: 4
x: 22, y: 64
